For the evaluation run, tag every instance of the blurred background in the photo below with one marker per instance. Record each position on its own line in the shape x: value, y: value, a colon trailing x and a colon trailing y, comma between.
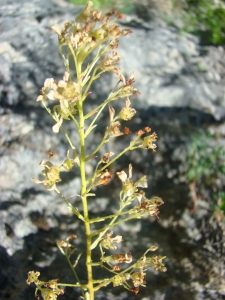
x: 176, y: 50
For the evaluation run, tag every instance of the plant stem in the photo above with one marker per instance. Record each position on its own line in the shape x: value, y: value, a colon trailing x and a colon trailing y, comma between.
x: 104, y: 140
x: 75, y: 274
x: 83, y: 192
x: 72, y: 208
x: 103, y: 230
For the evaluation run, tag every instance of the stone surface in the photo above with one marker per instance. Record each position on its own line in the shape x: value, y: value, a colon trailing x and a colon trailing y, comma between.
x: 161, y: 57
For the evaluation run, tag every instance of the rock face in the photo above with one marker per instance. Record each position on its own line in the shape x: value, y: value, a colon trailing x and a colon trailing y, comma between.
x: 27, y: 38
x: 182, y: 86
x: 172, y: 70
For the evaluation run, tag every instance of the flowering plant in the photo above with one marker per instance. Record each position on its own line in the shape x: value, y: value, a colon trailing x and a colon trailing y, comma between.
x: 95, y: 35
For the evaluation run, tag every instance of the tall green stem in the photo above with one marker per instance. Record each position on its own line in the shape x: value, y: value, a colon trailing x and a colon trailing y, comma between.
x: 83, y: 192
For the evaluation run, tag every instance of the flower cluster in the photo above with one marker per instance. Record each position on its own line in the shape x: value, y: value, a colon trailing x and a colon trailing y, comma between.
x: 156, y: 262
x: 90, y: 27
x: 109, y: 243
x: 148, y: 141
x: 49, y: 290
x: 137, y: 271
x: 148, y: 206
x: 137, y: 274
x: 138, y: 278
x: 52, y: 172
x: 66, y: 92
x: 89, y: 31
x: 120, y: 279
x: 128, y: 186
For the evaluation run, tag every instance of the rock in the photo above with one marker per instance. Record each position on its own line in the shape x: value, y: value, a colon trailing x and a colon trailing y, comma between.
x: 168, y: 65
x: 26, y: 38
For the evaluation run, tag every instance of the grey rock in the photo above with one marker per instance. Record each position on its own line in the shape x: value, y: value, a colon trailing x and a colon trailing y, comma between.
x: 168, y: 65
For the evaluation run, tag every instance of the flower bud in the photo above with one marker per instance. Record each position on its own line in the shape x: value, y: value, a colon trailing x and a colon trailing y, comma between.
x: 68, y: 164
x: 120, y: 278
x: 153, y: 248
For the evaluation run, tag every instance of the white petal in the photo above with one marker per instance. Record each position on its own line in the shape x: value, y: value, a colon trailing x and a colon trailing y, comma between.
x: 40, y: 98
x: 50, y: 95
x: 57, y: 29
x: 56, y: 127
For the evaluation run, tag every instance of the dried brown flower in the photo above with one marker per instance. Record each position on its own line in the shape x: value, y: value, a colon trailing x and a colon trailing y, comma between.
x: 106, y: 157
x: 140, y: 132
x: 126, y: 130
x: 122, y: 258
x: 104, y: 177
